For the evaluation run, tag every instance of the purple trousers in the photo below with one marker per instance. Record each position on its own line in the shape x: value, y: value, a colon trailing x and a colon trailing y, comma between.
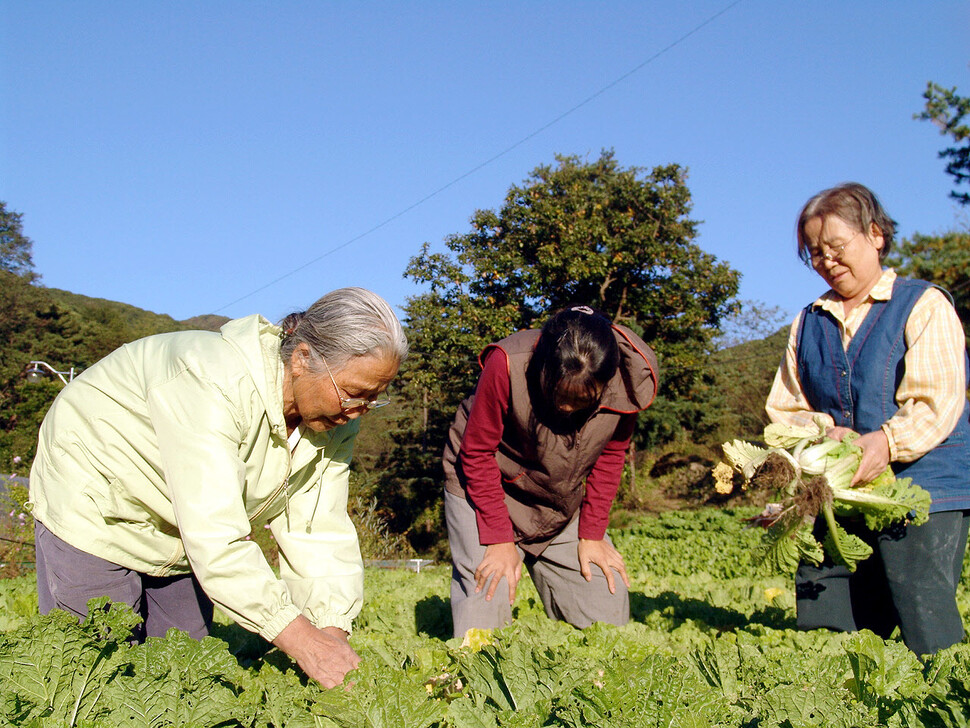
x: 68, y: 577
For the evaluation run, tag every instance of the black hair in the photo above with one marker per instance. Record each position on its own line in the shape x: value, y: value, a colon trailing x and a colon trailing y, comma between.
x: 575, y: 358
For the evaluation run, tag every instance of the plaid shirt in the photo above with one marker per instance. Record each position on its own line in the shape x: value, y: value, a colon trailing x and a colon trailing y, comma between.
x: 933, y: 389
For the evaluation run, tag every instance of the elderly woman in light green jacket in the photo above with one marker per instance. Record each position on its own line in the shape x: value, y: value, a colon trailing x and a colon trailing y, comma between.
x: 155, y: 465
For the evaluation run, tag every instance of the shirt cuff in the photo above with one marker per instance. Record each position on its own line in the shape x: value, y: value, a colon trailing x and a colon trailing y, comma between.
x: 340, y: 621
x: 591, y: 532
x: 893, y: 453
x: 270, y: 631
x: 501, y: 531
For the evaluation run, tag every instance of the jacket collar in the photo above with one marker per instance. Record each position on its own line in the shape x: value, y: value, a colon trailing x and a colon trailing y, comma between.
x: 259, y: 343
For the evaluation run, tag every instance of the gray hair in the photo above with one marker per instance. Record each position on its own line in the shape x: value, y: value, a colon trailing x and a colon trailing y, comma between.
x: 344, y: 324
x: 856, y: 205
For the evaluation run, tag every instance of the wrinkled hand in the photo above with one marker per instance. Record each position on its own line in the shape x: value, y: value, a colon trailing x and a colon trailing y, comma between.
x: 323, y: 654
x: 604, y: 556
x: 837, y: 433
x: 875, y: 453
x: 501, y: 559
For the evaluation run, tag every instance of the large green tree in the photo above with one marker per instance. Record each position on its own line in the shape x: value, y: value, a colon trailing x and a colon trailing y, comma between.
x: 945, y: 108
x: 618, y: 239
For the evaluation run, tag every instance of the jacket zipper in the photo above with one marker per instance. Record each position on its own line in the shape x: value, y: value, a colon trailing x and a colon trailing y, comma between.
x: 283, y: 487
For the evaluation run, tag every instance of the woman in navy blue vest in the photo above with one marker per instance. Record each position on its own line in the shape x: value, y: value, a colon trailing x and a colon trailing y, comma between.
x: 884, y: 357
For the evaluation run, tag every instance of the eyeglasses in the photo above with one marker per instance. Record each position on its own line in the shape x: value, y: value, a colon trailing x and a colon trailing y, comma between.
x: 833, y: 254
x: 351, y: 403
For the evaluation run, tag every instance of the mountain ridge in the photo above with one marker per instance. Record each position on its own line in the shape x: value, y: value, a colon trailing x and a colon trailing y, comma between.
x: 133, y: 315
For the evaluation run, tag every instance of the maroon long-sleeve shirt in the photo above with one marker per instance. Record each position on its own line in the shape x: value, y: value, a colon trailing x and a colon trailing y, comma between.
x: 484, y: 479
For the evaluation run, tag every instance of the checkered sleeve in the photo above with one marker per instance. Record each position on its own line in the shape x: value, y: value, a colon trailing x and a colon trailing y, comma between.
x: 933, y: 390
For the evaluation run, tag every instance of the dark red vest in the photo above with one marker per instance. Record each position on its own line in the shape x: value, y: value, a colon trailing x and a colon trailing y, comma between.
x: 543, y: 473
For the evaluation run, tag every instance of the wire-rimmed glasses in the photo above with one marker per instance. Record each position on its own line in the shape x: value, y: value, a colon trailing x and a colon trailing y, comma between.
x: 351, y: 403
x: 831, y: 253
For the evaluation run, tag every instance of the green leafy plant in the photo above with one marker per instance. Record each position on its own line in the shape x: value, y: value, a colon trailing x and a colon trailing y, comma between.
x: 56, y: 670
x: 810, y: 475
x: 711, y: 643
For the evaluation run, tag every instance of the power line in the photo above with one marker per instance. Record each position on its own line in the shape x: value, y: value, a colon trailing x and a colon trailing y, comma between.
x: 490, y: 160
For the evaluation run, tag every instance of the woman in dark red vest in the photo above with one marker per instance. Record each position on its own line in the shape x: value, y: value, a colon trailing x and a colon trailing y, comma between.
x: 532, y: 465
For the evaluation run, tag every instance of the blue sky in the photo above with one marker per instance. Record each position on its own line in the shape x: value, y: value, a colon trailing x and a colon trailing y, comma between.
x: 241, y: 157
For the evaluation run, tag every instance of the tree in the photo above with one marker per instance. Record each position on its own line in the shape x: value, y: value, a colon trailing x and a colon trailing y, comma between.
x: 753, y: 320
x: 947, y: 110
x: 15, y: 247
x: 944, y: 259
x: 616, y: 239
x: 619, y: 240
x: 32, y: 327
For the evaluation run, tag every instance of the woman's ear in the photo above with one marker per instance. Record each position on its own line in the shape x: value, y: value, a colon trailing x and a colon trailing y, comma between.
x: 298, y: 359
x: 875, y: 235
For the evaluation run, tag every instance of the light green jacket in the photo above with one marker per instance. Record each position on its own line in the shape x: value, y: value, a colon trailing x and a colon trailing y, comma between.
x: 167, y: 453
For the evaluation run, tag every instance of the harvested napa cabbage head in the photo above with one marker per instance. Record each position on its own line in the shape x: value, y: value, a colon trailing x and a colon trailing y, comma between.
x: 809, y: 475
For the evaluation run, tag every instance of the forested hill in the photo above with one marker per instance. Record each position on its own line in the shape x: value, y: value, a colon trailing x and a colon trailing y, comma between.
x: 744, y: 374
x: 135, y: 322
x: 64, y: 330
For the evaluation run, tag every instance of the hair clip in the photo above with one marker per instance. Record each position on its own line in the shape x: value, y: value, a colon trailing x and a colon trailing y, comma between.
x: 583, y: 309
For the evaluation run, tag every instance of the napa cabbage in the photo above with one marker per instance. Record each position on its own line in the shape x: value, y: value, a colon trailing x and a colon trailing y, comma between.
x: 810, y: 475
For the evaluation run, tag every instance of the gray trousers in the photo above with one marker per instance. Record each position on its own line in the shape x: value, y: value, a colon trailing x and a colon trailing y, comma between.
x: 68, y: 577
x: 565, y: 594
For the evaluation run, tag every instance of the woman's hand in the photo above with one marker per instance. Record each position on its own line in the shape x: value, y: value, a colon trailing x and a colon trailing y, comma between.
x: 875, y: 453
x: 501, y: 559
x: 604, y: 556
x: 323, y: 654
x: 837, y: 433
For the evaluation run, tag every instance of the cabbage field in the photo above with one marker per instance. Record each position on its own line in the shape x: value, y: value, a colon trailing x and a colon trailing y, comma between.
x: 711, y: 643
